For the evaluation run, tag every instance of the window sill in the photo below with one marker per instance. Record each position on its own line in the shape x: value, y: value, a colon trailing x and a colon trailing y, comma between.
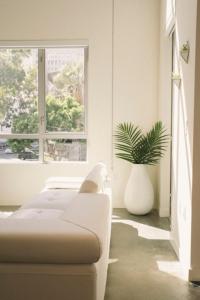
x: 5, y: 162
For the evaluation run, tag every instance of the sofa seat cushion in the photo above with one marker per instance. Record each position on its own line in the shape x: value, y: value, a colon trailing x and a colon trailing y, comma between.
x: 37, y: 213
x: 47, y: 241
x: 52, y: 199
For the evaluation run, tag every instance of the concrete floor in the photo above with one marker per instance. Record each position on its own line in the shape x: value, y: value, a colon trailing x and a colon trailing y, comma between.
x: 143, y: 264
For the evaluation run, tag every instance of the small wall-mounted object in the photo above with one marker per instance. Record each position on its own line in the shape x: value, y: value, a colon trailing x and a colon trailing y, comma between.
x: 185, y: 52
x: 176, y: 79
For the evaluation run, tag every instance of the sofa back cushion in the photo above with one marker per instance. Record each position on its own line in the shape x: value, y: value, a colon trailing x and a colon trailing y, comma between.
x: 94, y: 182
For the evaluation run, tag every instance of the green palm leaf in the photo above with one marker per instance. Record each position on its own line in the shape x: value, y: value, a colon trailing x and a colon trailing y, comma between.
x: 127, y: 136
x: 138, y: 148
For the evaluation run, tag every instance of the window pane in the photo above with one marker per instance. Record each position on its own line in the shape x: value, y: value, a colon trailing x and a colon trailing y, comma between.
x: 17, y: 149
x: 65, y: 150
x: 18, y: 90
x: 65, y: 89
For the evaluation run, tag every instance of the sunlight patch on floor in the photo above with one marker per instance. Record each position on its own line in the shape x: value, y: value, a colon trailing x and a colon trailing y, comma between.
x: 171, y: 267
x: 146, y: 231
x: 113, y: 260
x: 115, y: 217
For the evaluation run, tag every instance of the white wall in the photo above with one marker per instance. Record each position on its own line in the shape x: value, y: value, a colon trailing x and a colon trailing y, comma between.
x: 136, y: 53
x: 136, y: 57
x: 164, y: 106
x: 183, y: 115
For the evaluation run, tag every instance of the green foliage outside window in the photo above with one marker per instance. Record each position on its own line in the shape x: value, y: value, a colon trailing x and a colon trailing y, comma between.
x: 19, y: 98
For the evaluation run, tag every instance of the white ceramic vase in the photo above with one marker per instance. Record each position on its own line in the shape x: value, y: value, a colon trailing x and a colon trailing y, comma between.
x: 139, y: 194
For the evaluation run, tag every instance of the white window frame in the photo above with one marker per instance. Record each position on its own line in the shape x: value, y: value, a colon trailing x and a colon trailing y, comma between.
x: 42, y: 135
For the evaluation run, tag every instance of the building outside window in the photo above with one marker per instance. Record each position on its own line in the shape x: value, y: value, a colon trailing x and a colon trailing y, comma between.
x: 43, y: 104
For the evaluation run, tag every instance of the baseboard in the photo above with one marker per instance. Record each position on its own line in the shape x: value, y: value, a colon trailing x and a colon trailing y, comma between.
x: 118, y: 206
x: 194, y: 274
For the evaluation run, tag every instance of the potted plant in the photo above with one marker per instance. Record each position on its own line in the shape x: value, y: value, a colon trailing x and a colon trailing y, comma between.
x: 140, y: 150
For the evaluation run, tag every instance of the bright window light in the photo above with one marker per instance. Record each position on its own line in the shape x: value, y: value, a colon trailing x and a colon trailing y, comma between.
x: 43, y: 104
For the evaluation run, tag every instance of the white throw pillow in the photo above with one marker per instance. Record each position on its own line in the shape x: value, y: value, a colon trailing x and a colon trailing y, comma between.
x: 94, y: 182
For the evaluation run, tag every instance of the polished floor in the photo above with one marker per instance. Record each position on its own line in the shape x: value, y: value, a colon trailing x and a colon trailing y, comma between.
x: 143, y: 265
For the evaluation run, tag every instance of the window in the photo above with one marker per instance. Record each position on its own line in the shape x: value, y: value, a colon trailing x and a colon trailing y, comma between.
x: 43, y: 104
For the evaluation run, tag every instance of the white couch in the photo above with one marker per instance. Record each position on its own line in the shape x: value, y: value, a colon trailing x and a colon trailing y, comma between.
x: 56, y: 247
